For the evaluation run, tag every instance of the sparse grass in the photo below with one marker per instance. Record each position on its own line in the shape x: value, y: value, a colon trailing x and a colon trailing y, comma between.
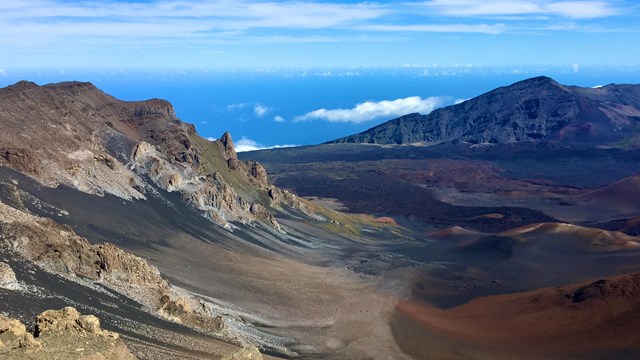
x: 353, y: 224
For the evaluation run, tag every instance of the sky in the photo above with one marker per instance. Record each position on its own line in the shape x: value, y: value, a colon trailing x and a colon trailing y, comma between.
x: 177, y: 34
x: 278, y: 73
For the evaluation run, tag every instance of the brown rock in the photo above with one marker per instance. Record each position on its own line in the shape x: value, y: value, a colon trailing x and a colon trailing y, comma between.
x: 57, y: 320
x: 14, y: 335
x: 29, y: 342
x: 24, y: 160
x: 7, y: 276
x: 90, y: 324
x: 248, y: 353
x: 63, y: 334
x: 229, y: 148
x: 263, y: 214
x: 258, y: 174
x: 181, y: 309
x: 11, y: 326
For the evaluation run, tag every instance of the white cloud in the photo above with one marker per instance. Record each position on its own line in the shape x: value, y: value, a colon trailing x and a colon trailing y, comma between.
x: 160, y: 20
x: 3, y: 72
x: 228, y: 19
x: 437, y: 28
x: 246, y: 144
x: 575, y: 68
x: 581, y: 9
x: 239, y: 106
x: 260, y: 111
x: 570, y: 9
x: 278, y: 118
x: 370, y: 110
x: 211, y: 138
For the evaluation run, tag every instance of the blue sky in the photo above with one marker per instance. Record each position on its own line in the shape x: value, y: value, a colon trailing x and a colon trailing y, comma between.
x: 303, y: 72
x: 172, y: 34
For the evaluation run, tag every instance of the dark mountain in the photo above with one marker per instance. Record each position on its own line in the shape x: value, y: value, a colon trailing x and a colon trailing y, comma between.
x: 530, y: 110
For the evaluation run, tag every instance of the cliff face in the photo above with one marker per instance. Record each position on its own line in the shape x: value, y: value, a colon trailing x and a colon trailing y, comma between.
x: 75, y: 135
x: 531, y: 110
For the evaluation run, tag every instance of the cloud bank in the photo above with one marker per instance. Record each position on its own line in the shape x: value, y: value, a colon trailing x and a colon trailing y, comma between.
x: 370, y: 110
x: 223, y: 33
x: 569, y: 9
x: 246, y: 144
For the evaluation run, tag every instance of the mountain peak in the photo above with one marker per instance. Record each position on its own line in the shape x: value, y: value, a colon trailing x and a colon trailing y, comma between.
x: 536, y: 81
x: 24, y: 84
x: 68, y: 86
x: 539, y: 79
x: 535, y: 109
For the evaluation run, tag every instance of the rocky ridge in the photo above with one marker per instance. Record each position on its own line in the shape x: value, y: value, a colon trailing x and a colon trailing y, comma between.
x: 98, y: 144
x: 536, y: 109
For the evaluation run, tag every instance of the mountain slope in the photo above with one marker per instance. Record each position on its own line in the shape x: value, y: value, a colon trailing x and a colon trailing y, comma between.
x: 534, y: 109
x: 122, y: 210
x: 75, y: 135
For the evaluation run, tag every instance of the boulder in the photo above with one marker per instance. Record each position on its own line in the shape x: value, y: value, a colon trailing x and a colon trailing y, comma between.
x: 248, y: 353
x: 7, y: 277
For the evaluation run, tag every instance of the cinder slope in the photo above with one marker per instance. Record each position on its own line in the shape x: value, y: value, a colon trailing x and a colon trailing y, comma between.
x: 595, y: 316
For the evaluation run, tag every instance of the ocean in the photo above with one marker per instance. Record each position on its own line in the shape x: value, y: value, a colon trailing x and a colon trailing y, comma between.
x: 260, y: 107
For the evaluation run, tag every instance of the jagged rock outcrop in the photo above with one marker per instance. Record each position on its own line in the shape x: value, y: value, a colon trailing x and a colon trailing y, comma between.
x: 228, y: 147
x: 229, y: 152
x: 69, y: 319
x: 13, y: 334
x: 281, y: 197
x: 263, y: 214
x: 181, y: 310
x: 209, y: 193
x: 21, y: 159
x: 258, y: 174
x: 530, y: 110
x: 60, y: 334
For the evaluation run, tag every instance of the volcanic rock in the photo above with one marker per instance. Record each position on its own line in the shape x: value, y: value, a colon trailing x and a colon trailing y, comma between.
x: 7, y: 276
x: 60, y: 334
x: 248, y: 353
x: 69, y: 319
x: 258, y: 174
x: 228, y: 146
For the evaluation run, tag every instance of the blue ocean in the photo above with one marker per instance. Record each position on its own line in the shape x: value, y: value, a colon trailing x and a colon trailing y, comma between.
x: 261, y: 106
